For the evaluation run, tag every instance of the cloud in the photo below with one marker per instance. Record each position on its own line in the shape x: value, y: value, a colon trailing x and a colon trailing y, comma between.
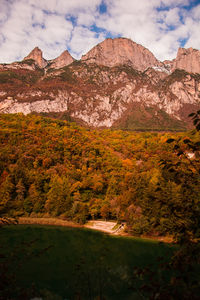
x: 192, y: 23
x: 172, y: 17
x: 83, y: 40
x: 174, y: 3
x: 64, y: 6
x: 55, y: 25
x: 85, y: 19
x: 46, y: 24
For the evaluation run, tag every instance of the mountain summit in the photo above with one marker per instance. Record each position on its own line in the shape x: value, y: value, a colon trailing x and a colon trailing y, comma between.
x: 188, y: 60
x: 36, y: 55
x: 61, y: 61
x: 121, y: 51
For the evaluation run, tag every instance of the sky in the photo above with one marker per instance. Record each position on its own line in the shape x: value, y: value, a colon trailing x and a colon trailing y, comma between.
x: 162, y: 26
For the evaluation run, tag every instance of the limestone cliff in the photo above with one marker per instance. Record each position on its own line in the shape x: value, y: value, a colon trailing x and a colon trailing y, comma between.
x: 61, y: 61
x: 121, y: 51
x: 188, y: 60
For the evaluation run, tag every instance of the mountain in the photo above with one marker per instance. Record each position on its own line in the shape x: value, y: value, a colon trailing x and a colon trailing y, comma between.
x: 61, y: 61
x: 118, y: 84
x: 188, y: 60
x: 36, y: 55
x: 121, y: 51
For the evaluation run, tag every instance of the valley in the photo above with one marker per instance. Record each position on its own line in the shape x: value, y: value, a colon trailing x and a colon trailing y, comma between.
x: 96, y: 148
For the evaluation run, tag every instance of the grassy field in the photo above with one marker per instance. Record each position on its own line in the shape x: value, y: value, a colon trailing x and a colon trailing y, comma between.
x: 76, y: 263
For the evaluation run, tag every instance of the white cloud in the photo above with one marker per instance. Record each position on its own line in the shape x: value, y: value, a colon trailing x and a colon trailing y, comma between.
x: 85, y: 19
x: 4, y: 11
x: 38, y: 16
x: 42, y: 23
x: 172, y: 17
x: 65, y: 6
x: 195, y: 13
x: 174, y: 3
x: 194, y: 37
x: 83, y: 40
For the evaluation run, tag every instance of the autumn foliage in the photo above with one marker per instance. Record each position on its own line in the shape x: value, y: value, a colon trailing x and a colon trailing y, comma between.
x: 54, y: 168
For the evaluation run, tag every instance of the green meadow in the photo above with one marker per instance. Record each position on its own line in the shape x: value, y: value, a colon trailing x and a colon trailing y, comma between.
x: 75, y: 263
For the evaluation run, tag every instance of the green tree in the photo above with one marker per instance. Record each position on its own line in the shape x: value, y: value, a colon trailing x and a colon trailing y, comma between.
x: 20, y: 191
x: 58, y: 198
x: 6, y: 195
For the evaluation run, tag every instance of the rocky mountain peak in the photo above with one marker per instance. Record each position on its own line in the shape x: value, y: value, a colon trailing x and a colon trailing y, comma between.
x: 121, y: 51
x: 134, y: 91
x: 187, y: 59
x: 36, y: 55
x: 63, y: 60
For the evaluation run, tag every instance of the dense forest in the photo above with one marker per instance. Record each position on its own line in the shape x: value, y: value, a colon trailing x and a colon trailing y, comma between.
x: 150, y: 180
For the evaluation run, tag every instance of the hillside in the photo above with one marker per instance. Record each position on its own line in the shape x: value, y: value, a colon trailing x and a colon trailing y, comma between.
x: 54, y: 168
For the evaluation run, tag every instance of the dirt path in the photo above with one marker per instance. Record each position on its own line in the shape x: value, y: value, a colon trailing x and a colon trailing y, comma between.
x: 105, y: 226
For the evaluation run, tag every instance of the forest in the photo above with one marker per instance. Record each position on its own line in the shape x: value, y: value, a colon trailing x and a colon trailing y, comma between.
x: 150, y: 180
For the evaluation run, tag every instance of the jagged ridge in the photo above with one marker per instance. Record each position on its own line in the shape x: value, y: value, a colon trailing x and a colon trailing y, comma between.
x: 117, y: 83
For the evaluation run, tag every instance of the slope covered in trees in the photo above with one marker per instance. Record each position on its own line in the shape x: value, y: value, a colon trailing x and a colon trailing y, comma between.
x: 50, y: 167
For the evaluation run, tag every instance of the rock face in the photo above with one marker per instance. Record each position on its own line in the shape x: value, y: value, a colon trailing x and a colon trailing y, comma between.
x: 36, y: 55
x: 61, y: 61
x: 187, y: 59
x: 121, y: 51
x: 18, y: 66
x: 59, y: 104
